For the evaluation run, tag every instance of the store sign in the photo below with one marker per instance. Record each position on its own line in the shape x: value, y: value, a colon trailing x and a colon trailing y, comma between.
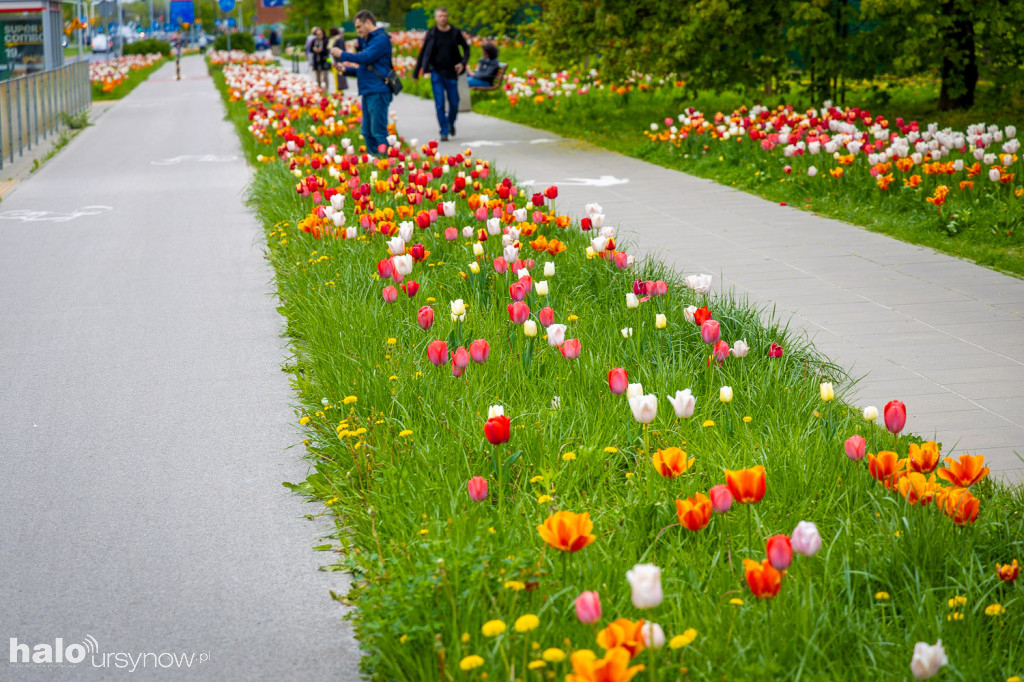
x: 23, y: 47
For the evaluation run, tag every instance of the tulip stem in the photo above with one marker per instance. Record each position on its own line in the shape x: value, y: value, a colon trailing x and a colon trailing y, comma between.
x: 750, y: 532
x: 650, y: 649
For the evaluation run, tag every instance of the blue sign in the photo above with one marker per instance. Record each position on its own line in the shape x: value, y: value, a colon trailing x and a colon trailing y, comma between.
x: 168, y: 26
x: 274, y: 3
x: 226, y: 5
x: 112, y: 27
x: 231, y: 22
x: 182, y: 12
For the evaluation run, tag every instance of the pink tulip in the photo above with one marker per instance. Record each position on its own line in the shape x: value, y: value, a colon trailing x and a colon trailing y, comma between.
x: 477, y: 488
x: 390, y: 294
x: 721, y: 498
x: 780, y: 552
x: 711, y: 332
x: 479, y: 350
x: 639, y: 287
x: 895, y: 416
x: 775, y: 351
x: 437, y: 352
x: 588, y: 607
x: 660, y: 288
x: 621, y: 260
x: 518, y: 312
x: 527, y: 282
x: 500, y: 265
x: 855, y: 447
x: 546, y: 317
x: 571, y: 349
x: 481, y: 213
x: 720, y: 351
x: 618, y: 380
x: 537, y: 217
x: 457, y: 371
x: 425, y: 317
x: 460, y: 358
x: 517, y: 291
x: 451, y: 233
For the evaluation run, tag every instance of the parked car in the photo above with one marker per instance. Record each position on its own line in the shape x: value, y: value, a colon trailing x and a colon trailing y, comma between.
x: 100, y: 43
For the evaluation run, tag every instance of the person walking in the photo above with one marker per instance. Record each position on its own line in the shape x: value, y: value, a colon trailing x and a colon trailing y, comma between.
x: 309, y: 47
x: 318, y: 50
x: 373, y: 57
x: 334, y: 38
x: 444, y: 56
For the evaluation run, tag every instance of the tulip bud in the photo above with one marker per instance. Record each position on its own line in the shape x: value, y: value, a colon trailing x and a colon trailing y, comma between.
x: 710, y: 332
x: 617, y: 380
x: 688, y: 313
x: 895, y: 416
x: 780, y: 553
x: 542, y: 288
x: 805, y: 539
x: 634, y: 390
x: 479, y: 350
x: 477, y: 489
x: 474, y: 267
x: 827, y: 394
x: 390, y: 294
x: 588, y: 607
x: 425, y: 317
x: 721, y: 498
x: 644, y: 408
x: 467, y: 231
x: 549, y: 269
x: 460, y: 358
x: 626, y: 332
x: 855, y: 447
x: 556, y: 335
x: 725, y: 394
x: 740, y: 349
x: 870, y: 413
x: 654, y: 636
x: 632, y: 301
x: 478, y: 249
x: 556, y: 403
x: 530, y: 328
x: 659, y: 321
x: 546, y: 316
x: 775, y: 351
x: 495, y: 411
x: 645, y: 581
x: 927, y: 659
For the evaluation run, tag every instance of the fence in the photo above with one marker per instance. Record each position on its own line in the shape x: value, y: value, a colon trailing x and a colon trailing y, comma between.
x: 31, y: 105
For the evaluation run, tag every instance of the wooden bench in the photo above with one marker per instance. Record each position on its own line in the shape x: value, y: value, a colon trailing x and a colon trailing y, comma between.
x: 499, y: 79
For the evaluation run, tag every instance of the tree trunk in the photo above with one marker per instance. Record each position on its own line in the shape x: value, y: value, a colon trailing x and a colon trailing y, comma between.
x: 959, y: 61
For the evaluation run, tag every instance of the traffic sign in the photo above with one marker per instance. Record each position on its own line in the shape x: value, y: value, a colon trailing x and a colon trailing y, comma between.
x: 231, y: 22
x: 274, y: 3
x: 226, y: 5
x: 112, y: 27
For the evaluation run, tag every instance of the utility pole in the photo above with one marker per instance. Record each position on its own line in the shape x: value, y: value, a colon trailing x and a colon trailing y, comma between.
x: 151, y: 27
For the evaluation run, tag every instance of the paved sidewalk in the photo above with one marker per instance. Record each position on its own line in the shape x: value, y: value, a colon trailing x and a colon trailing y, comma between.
x: 145, y: 418
x: 941, y: 334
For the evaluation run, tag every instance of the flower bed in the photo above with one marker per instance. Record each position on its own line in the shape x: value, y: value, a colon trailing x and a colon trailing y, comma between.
x: 110, y: 73
x: 221, y: 57
x: 546, y: 460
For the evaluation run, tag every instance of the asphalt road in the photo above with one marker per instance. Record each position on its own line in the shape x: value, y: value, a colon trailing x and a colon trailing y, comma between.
x: 145, y: 420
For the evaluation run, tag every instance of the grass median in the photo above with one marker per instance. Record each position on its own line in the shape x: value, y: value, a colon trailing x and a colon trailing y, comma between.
x: 453, y: 577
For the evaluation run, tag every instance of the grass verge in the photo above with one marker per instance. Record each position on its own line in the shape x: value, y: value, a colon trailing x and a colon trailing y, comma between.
x: 446, y: 587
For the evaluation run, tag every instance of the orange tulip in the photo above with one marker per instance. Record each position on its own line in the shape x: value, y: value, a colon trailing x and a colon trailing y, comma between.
x: 961, y: 506
x: 917, y: 489
x: 924, y: 458
x: 886, y: 467
x: 762, y: 578
x: 746, y: 485
x: 1008, y: 572
x: 695, y: 512
x: 623, y: 633
x: 966, y: 472
x: 567, y: 531
x: 671, y: 462
x: 614, y: 667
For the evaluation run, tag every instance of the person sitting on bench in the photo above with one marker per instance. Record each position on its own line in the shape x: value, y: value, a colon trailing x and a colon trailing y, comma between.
x: 487, y: 69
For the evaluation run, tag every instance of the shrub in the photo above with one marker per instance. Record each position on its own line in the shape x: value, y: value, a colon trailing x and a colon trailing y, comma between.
x: 148, y: 46
x: 239, y: 41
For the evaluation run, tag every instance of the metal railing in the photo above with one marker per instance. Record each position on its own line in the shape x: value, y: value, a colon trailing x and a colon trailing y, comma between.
x: 31, y: 105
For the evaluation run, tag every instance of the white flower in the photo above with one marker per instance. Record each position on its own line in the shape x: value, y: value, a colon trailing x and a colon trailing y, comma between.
x: 542, y: 287
x: 699, y: 283
x: 449, y: 208
x: 740, y: 349
x: 644, y: 407
x: 927, y: 660
x: 523, y: 272
x: 478, y: 249
x: 632, y: 301
x: 338, y: 218
x: 337, y: 201
x: 725, y: 394
x: 458, y: 310
x: 350, y: 233
x: 406, y: 229
x: 683, y: 403
x: 474, y: 267
x: 403, y: 264
x: 598, y: 244
x: 597, y: 221
x: 645, y: 580
x: 634, y: 390
x: 396, y: 245
x: 549, y: 269
x: 467, y: 232
x: 556, y: 403
x: 493, y: 226
x: 870, y: 413
x: 556, y: 335
x: 520, y: 215
x: 592, y: 209
x: 660, y: 322
x: 626, y: 332
x: 688, y: 313
x: 495, y: 411
x: 993, y: 174
x: 530, y: 328
x: 511, y: 254
x: 812, y: 171
x: 654, y: 636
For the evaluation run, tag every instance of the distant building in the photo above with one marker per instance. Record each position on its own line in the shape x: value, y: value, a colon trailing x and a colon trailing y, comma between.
x: 31, y: 32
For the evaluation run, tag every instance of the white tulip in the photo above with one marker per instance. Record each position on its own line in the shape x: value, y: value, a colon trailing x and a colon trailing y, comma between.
x: 556, y: 335
x: 632, y: 301
x: 740, y: 349
x: 402, y: 264
x: 683, y: 403
x: 644, y: 407
x: 645, y: 581
x: 927, y: 660
x: 397, y: 246
x: 549, y: 269
x: 495, y: 411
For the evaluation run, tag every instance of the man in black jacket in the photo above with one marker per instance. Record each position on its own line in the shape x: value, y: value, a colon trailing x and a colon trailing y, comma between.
x: 444, y: 56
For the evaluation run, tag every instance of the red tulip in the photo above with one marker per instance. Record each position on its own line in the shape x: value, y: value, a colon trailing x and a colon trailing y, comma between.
x: 410, y: 288
x: 425, y: 317
x: 496, y: 430
x: 721, y: 498
x: 437, y: 352
x: 385, y: 268
x: 479, y: 350
x: 390, y: 294
x: 517, y: 291
x: 855, y: 447
x: 518, y: 312
x: 660, y: 288
x: 551, y: 192
x: 546, y: 316
x: 775, y: 351
x: 780, y: 552
x: 527, y: 282
x: 423, y: 220
x: 451, y: 233
x: 701, y: 315
x: 586, y: 224
x: 460, y: 358
x: 477, y: 489
x: 571, y: 349
x: 500, y: 265
x: 895, y: 416
x: 720, y: 352
x: 418, y: 252
x: 639, y: 287
x: 621, y: 259
x: 537, y: 199
x: 618, y: 380
x: 711, y: 332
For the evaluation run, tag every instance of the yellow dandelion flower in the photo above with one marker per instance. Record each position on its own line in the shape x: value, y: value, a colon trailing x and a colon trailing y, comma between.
x: 514, y: 585
x: 685, y: 639
x: 423, y: 531
x: 708, y: 423
x: 881, y: 596
x: 392, y: 378
x: 392, y: 341
x: 493, y: 628
x: 956, y: 601
x: 611, y: 449
x: 543, y: 498
x: 994, y: 609
x: 465, y: 638
x: 431, y: 299
x: 536, y: 665
x: 491, y: 530
x: 527, y: 623
x: 536, y: 479
x: 569, y: 456
x: 747, y: 420
x: 553, y: 655
x: 573, y: 318
x: 349, y: 399
x: 403, y: 639
x: 304, y: 421
x: 470, y: 663
x: 404, y: 432
x: 736, y: 601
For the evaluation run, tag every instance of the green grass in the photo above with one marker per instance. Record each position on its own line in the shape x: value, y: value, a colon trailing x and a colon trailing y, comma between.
x: 430, y: 566
x: 130, y: 82
x: 986, y: 226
